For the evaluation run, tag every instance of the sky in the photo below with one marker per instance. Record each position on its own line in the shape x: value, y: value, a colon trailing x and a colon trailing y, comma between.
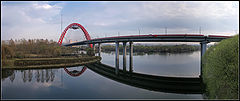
x: 42, y: 19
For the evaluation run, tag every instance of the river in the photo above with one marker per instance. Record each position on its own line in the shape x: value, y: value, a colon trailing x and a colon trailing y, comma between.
x: 58, y: 84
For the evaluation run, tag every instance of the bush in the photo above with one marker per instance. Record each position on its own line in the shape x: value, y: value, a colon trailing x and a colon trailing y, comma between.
x: 220, y: 69
x: 90, y: 51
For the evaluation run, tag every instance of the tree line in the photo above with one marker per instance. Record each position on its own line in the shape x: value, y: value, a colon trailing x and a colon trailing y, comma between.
x: 33, y: 48
x: 48, y: 48
x: 155, y: 48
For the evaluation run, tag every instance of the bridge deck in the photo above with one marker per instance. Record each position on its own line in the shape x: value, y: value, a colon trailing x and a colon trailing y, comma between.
x: 154, y: 38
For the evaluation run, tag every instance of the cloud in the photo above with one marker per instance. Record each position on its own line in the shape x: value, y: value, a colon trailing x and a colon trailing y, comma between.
x: 178, y: 17
x: 42, y: 19
x: 194, y: 9
x: 29, y: 20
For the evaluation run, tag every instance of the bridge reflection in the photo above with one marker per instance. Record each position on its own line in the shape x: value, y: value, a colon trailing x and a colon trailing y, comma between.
x: 41, y: 75
x: 75, y: 73
x: 181, y: 85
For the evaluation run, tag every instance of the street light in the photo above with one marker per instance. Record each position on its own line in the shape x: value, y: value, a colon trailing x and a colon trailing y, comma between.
x: 165, y: 30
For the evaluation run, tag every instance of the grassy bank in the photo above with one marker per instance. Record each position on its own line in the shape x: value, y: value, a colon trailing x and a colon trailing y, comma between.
x: 49, y: 62
x: 220, y: 70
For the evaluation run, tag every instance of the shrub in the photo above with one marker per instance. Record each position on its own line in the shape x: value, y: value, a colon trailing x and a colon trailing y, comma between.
x: 220, y: 69
x: 90, y: 51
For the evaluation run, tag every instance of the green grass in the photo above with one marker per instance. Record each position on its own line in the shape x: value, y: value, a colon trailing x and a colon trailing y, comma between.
x: 220, y: 69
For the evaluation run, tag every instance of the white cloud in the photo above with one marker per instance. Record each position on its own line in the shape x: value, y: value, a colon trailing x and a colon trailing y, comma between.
x: 194, y: 9
x: 45, y: 6
x: 30, y: 20
x: 126, y: 17
x: 109, y: 18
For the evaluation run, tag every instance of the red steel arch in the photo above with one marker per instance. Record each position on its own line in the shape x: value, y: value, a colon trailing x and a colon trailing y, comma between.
x: 87, y: 36
x: 75, y: 75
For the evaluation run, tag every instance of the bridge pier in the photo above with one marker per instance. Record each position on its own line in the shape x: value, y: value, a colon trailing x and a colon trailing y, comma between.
x: 130, y: 56
x: 93, y: 48
x: 99, y: 49
x: 117, y: 58
x: 203, y: 47
x: 124, y: 56
x: 203, y: 50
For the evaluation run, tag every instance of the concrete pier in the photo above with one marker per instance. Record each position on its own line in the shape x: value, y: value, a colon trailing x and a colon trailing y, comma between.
x: 117, y: 58
x: 203, y: 50
x: 93, y: 48
x: 130, y: 56
x: 203, y: 47
x: 124, y: 56
x: 99, y: 49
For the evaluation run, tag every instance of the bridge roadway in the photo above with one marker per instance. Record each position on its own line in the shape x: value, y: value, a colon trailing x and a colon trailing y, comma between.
x: 154, y: 38
x: 204, y: 40
x: 180, y: 85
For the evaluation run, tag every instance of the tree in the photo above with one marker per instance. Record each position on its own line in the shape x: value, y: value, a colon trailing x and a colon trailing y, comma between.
x: 90, y: 51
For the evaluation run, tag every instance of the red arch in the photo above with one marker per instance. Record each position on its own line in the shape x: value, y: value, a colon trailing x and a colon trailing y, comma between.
x: 74, y: 75
x: 87, y: 36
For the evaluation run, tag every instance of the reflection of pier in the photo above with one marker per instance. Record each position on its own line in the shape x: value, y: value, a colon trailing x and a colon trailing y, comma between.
x: 180, y: 85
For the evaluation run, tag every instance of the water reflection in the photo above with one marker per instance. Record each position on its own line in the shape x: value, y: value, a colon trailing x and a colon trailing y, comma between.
x: 41, y: 75
x: 151, y: 53
x: 181, y: 85
x: 7, y: 73
x: 91, y: 85
x: 75, y: 73
x: 12, y: 77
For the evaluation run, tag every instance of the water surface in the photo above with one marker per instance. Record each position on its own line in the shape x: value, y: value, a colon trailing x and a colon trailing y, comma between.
x: 58, y: 84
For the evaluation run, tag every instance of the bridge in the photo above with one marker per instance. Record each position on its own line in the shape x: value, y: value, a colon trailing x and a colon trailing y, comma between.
x: 202, y: 39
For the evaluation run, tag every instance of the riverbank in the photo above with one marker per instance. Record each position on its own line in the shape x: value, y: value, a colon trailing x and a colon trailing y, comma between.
x: 220, y: 70
x: 34, y: 63
x: 41, y: 53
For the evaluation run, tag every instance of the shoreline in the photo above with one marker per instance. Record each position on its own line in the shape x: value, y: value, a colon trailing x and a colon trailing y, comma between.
x: 64, y: 63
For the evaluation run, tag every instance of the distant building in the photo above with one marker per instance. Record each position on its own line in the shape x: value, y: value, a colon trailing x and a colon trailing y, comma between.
x: 70, y: 41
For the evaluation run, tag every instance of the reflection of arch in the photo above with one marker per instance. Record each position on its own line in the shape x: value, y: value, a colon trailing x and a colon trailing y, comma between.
x: 87, y: 36
x: 75, y: 73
